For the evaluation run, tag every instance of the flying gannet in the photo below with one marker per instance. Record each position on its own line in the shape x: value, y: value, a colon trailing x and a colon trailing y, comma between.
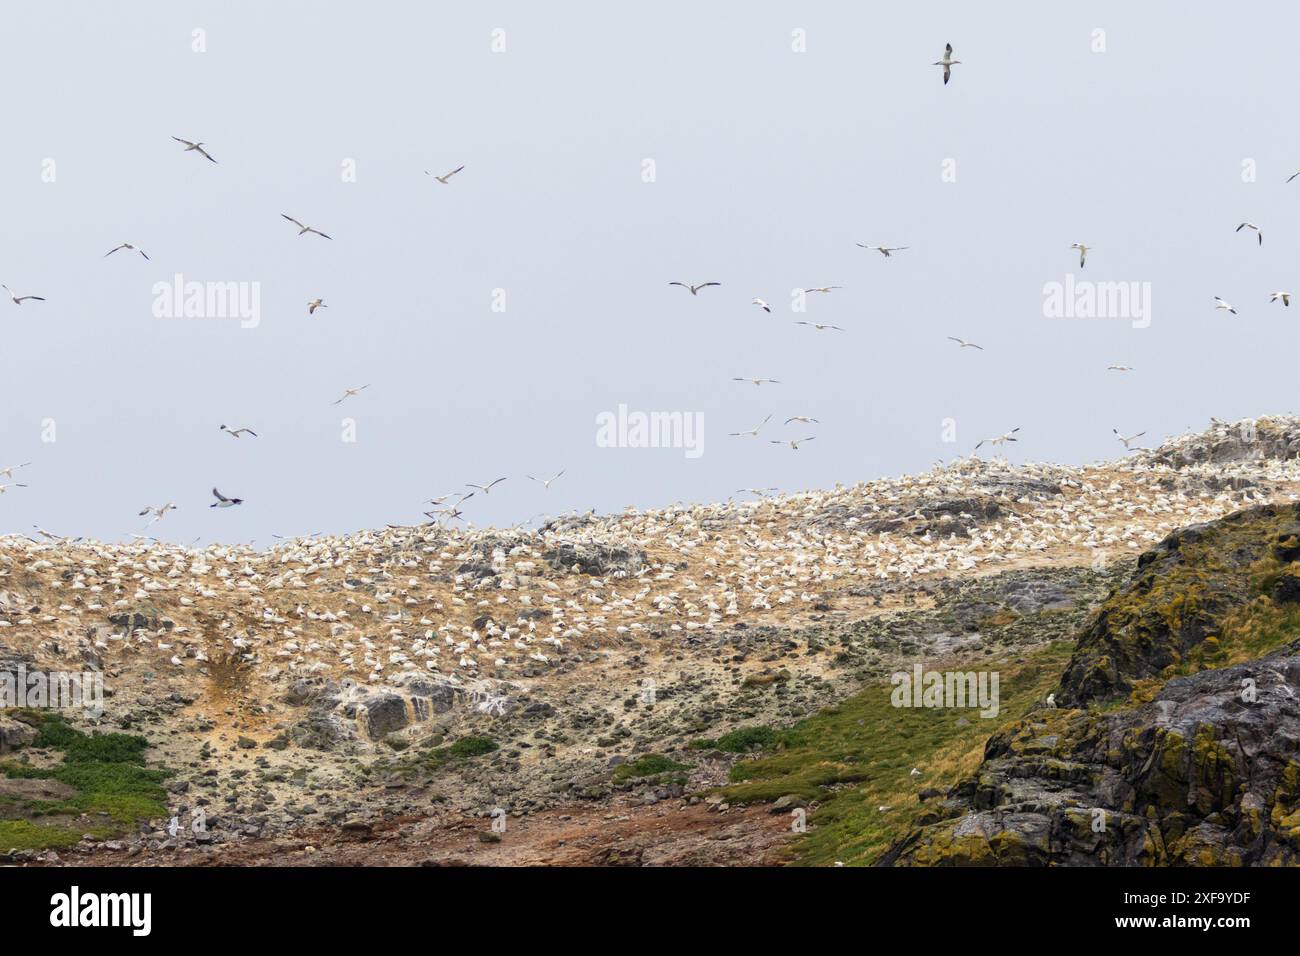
x: 125, y: 245
x: 198, y: 147
x: 446, y: 176
x: 947, y: 63
x: 695, y: 289
x: 303, y: 230
x: 20, y: 299
x: 753, y: 432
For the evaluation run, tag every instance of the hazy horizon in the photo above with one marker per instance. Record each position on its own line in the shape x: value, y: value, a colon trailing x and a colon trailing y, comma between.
x: 769, y: 166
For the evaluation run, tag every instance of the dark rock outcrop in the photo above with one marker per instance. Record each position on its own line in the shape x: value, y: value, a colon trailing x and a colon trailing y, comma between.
x: 1193, y: 757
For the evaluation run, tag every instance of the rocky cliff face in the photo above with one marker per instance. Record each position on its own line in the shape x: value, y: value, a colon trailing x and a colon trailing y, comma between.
x: 1180, y: 741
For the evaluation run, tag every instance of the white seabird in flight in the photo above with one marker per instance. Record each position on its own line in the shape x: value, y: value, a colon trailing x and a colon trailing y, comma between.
x: 4, y: 488
x: 885, y: 251
x: 546, y: 482
x: 489, y: 486
x: 761, y: 304
x: 802, y: 418
x: 1284, y: 296
x: 198, y: 147
x: 1083, y: 252
x: 125, y: 245
x: 1119, y: 368
x: 1127, y: 440
x: 695, y: 289
x: 8, y: 471
x: 1220, y: 304
x: 962, y: 343
x: 822, y: 288
x: 303, y: 230
x: 20, y: 299
x: 794, y: 443
x: 158, y: 513
x: 236, y: 432
x: 1251, y: 225
x: 445, y: 176
x: 999, y: 439
x: 947, y: 63
x: 315, y: 304
x: 819, y: 327
x: 349, y: 392
x: 757, y: 381
x: 753, y: 432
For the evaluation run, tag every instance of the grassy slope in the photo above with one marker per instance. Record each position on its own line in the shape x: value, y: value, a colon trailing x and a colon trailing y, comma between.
x: 857, y: 756
x: 114, y: 790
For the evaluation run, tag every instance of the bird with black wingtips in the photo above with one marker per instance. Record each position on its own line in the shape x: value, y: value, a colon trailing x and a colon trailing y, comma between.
x: 695, y: 289
x: 224, y: 502
x: 947, y: 63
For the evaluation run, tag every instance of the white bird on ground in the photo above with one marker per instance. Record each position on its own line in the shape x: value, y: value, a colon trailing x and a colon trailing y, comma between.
x: 757, y: 381
x: 914, y: 772
x: 1083, y: 252
x: 224, y: 502
x: 349, y: 392
x: 794, y: 443
x: 1000, y: 439
x: 1119, y: 368
x: 762, y: 304
x: 962, y: 343
x: 546, y: 482
x: 158, y: 513
x: 303, y: 230
x: 1051, y: 700
x: 1284, y: 296
x: 488, y: 487
x: 8, y: 471
x: 802, y: 418
x: 947, y: 63
x: 1220, y: 304
x: 1127, y: 439
x: 445, y: 176
x: 1251, y: 225
x: 695, y: 289
x: 20, y: 299
x: 125, y: 245
x: 885, y: 251
x: 315, y: 304
x: 753, y: 431
x: 819, y: 327
x: 236, y: 432
x: 196, y: 147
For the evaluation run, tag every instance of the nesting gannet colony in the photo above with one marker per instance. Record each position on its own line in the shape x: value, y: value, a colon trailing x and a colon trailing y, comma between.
x: 336, y: 652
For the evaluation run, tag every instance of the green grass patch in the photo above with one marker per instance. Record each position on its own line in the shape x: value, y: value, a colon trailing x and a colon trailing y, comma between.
x: 432, y: 759
x: 742, y: 740
x: 24, y: 835
x: 647, y: 765
x: 106, y: 770
x: 858, y: 755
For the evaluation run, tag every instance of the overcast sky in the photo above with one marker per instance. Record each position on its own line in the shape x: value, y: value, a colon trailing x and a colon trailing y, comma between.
x: 766, y: 166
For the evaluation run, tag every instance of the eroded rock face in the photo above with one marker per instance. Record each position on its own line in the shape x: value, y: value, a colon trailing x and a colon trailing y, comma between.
x: 14, y: 734
x: 1276, y: 437
x: 1179, y: 595
x: 1201, y: 769
x: 1196, y: 777
x: 598, y: 560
